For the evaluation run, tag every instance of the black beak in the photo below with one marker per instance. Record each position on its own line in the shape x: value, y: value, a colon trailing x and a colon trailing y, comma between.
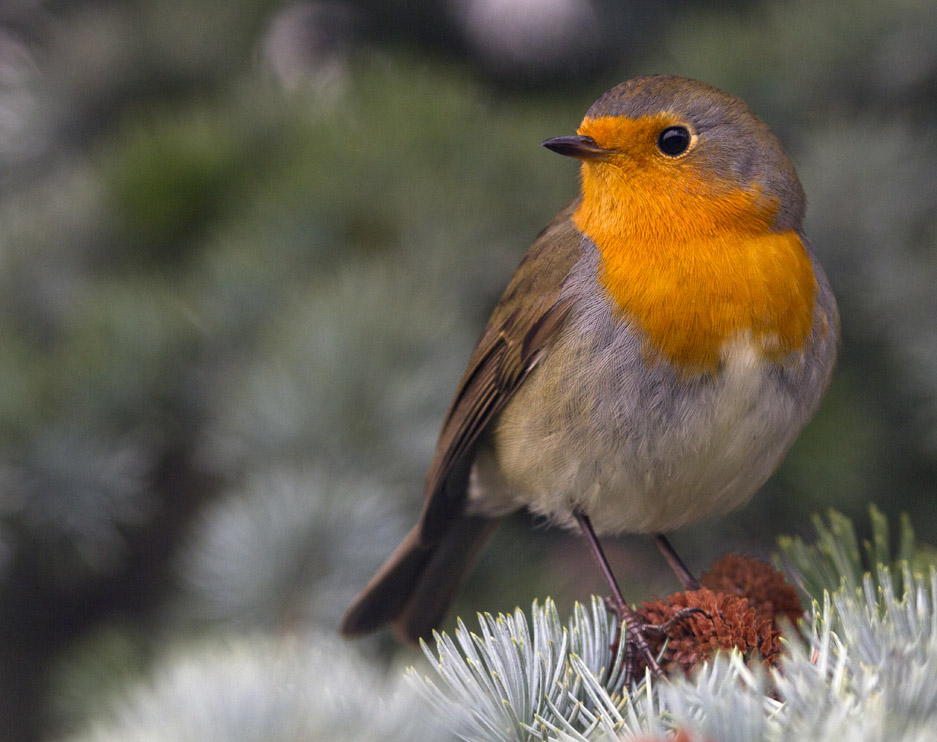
x: 580, y: 147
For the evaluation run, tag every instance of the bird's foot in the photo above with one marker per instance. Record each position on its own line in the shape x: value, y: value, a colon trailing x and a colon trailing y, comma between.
x: 637, y: 631
x: 663, y: 629
x: 636, y: 643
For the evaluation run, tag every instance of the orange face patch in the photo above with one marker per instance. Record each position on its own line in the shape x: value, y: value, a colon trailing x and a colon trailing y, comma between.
x: 687, y: 255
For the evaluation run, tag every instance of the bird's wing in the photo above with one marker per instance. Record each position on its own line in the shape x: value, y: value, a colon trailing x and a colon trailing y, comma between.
x: 522, y: 325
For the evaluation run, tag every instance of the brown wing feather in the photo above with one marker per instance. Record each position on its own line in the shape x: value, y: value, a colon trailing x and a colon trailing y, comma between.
x: 522, y: 325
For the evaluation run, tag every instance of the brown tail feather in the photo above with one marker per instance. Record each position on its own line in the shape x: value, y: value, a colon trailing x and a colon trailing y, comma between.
x: 417, y: 583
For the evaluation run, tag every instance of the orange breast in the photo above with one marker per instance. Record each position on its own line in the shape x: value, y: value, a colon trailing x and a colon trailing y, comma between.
x: 695, y: 263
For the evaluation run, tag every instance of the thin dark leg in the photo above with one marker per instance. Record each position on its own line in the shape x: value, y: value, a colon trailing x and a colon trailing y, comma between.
x: 634, y: 624
x: 599, y: 555
x: 682, y: 572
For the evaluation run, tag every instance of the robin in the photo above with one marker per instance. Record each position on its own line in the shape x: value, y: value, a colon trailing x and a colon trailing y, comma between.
x: 661, y: 345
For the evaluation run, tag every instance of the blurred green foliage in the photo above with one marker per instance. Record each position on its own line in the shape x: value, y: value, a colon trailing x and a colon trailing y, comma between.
x: 235, y: 300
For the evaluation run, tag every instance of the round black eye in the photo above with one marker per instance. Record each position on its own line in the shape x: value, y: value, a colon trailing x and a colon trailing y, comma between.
x: 674, y: 140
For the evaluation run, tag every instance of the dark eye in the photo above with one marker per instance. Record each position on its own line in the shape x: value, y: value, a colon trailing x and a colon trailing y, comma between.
x: 674, y: 140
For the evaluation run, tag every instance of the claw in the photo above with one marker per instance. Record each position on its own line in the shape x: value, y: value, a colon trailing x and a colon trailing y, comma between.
x: 662, y: 629
x: 635, y: 638
x: 637, y: 629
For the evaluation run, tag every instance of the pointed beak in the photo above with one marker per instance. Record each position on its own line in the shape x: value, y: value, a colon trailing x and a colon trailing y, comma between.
x: 578, y: 146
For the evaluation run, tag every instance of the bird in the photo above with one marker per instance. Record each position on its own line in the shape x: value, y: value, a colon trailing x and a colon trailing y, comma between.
x: 659, y: 348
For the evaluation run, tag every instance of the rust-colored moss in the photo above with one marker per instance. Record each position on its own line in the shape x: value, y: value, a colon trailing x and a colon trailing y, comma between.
x: 737, y: 608
x: 765, y: 587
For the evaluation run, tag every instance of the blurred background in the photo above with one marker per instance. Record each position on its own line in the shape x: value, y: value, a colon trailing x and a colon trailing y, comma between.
x: 246, y: 247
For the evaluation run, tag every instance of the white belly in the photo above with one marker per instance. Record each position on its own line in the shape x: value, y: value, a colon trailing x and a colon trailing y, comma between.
x: 635, y: 447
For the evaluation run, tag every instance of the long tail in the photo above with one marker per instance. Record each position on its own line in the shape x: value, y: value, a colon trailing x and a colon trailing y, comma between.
x: 418, y: 581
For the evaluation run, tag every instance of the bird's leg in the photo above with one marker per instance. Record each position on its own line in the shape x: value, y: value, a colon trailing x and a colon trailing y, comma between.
x: 686, y: 578
x: 683, y: 574
x: 635, y: 626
